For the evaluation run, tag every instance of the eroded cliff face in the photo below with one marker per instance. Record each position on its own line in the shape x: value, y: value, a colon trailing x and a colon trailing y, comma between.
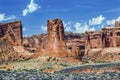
x: 55, y: 38
x: 9, y: 52
x: 11, y: 40
x: 75, y: 44
x: 12, y: 32
x: 35, y: 42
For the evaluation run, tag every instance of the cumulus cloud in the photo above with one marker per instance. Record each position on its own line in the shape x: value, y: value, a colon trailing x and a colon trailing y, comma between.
x: 30, y: 8
x: 112, y: 22
x: 3, y: 17
x: 90, y: 25
x: 44, y: 28
x: 79, y: 28
x: 96, y: 21
x: 24, y: 31
x: 118, y: 19
x: 24, y: 28
x: 92, y: 29
x: 25, y: 35
x: 67, y: 26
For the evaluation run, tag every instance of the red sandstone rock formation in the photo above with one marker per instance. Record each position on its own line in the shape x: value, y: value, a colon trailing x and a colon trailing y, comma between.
x: 9, y: 52
x: 55, y: 40
x: 56, y: 43
x: 102, y: 55
x: 35, y: 43
x: 12, y: 32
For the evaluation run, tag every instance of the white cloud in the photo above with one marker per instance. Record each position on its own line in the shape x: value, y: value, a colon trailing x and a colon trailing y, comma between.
x: 67, y: 25
x: 79, y: 28
x: 24, y: 31
x: 25, y: 35
x: 92, y: 29
x: 102, y: 26
x: 90, y: 25
x: 96, y: 21
x: 30, y: 8
x: 118, y: 19
x: 86, y: 27
x: 3, y: 17
x: 110, y: 22
x: 24, y: 28
x: 44, y: 28
x: 10, y: 18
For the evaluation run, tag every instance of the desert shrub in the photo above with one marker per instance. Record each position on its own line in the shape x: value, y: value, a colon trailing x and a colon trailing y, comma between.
x: 49, y: 58
x: 64, y: 64
x: 54, y: 59
x: 8, y: 69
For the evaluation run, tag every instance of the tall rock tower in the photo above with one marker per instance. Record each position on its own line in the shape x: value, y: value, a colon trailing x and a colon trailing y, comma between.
x: 55, y: 40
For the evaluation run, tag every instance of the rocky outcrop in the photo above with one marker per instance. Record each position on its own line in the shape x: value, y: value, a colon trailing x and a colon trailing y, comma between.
x: 12, y: 32
x: 102, y: 55
x: 71, y: 36
x: 11, y: 42
x: 55, y: 38
x: 8, y: 52
x: 35, y: 42
x: 117, y: 24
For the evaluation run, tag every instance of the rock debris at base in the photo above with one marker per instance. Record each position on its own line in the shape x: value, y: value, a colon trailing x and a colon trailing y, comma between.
x: 35, y: 75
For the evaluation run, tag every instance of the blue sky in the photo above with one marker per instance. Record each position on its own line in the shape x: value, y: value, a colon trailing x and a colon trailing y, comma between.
x: 78, y: 15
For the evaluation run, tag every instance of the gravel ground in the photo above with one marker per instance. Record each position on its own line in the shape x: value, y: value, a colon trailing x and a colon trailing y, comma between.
x: 35, y: 75
x: 89, y: 66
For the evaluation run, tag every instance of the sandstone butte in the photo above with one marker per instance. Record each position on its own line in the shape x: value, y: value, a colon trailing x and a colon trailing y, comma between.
x: 93, y: 44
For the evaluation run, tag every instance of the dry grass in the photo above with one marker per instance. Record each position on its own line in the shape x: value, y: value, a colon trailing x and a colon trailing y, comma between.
x: 41, y: 64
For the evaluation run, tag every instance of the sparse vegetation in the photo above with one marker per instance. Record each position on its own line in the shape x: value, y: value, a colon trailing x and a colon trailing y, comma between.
x: 64, y: 64
x: 49, y: 58
x: 101, y: 61
x: 35, y: 67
